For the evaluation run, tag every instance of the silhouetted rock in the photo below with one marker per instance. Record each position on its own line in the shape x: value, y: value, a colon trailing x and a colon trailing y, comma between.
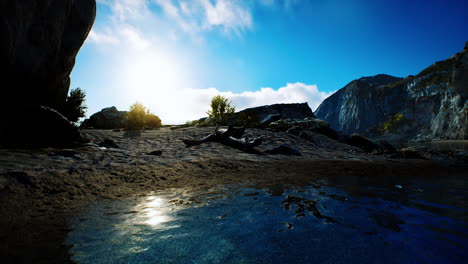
x: 107, y: 118
x: 270, y: 113
x: 40, y: 40
x: 155, y: 153
x: 361, y: 142
x: 295, y: 126
x: 432, y: 104
x: 108, y: 143
x: 38, y: 127
x: 414, y: 153
x: 39, y: 43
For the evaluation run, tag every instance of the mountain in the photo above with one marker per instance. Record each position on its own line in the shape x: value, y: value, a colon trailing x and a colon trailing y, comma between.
x: 430, y: 105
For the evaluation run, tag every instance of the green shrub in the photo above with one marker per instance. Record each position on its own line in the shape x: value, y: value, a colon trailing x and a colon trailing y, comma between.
x: 221, y: 110
x: 152, y: 120
x: 140, y: 117
x: 392, y: 124
x: 74, y: 107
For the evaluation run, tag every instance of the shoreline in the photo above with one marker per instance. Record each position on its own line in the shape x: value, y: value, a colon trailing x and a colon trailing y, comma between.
x: 42, y: 193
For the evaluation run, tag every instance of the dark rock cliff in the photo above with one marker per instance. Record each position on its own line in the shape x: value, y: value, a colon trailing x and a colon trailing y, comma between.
x: 39, y: 43
x: 40, y: 40
x: 427, y: 106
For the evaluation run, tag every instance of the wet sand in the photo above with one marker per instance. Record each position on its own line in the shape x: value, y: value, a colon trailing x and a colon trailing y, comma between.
x: 40, y: 190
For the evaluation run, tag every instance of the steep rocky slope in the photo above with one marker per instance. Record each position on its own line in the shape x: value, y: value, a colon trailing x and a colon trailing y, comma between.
x: 427, y: 106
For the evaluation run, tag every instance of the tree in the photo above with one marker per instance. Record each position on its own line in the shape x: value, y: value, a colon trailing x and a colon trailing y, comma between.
x: 221, y: 110
x: 74, y: 107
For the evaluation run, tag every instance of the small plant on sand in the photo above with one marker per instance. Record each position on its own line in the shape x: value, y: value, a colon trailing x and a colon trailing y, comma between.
x: 74, y: 107
x: 140, y: 117
x: 221, y: 110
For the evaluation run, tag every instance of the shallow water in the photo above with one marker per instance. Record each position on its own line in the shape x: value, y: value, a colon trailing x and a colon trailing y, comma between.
x: 333, y: 221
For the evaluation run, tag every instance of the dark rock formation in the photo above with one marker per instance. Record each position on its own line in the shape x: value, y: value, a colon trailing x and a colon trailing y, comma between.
x: 295, y: 127
x: 40, y: 40
x: 432, y: 104
x: 107, y: 118
x: 270, y: 113
x: 38, y: 126
x: 353, y: 109
x: 108, y: 143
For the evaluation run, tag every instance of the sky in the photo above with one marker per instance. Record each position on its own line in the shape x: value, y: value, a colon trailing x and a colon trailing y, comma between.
x: 175, y: 55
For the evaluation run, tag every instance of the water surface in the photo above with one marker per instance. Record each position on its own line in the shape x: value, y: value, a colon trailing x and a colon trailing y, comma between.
x: 332, y: 221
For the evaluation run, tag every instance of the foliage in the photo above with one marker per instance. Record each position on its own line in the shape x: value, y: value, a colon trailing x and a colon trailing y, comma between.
x: 200, y: 122
x: 140, y: 117
x: 392, y: 124
x: 152, y: 120
x: 74, y: 107
x: 248, y: 120
x: 221, y: 110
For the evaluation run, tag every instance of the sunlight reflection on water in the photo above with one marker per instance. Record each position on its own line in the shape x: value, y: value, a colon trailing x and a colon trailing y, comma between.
x: 349, y: 223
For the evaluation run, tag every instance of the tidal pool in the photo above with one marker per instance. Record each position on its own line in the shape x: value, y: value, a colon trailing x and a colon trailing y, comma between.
x: 352, y: 221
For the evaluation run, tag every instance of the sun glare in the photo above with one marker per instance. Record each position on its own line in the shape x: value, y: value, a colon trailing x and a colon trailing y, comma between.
x: 154, y: 78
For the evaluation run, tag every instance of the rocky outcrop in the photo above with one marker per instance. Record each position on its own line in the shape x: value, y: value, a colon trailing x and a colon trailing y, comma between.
x: 427, y: 106
x: 38, y: 126
x: 354, y: 108
x: 107, y: 118
x: 39, y: 43
x: 40, y: 40
x: 270, y: 113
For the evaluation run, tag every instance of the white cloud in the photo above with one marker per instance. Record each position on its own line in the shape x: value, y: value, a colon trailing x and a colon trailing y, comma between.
x: 102, y: 38
x: 197, y: 16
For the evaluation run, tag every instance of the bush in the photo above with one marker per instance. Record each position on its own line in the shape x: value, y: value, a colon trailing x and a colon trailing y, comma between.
x: 152, y: 120
x: 74, y: 107
x: 392, y: 124
x: 140, y: 117
x: 221, y: 110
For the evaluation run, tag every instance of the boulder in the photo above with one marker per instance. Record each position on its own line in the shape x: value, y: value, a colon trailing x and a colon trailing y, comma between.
x: 270, y: 113
x: 414, y: 153
x: 107, y: 118
x: 108, y: 143
x: 38, y: 126
x: 307, y: 124
x: 361, y: 142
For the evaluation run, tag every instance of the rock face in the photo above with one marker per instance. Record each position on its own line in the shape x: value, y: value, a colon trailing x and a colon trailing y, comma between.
x: 40, y: 40
x: 271, y: 113
x: 39, y: 43
x: 429, y: 105
x: 107, y: 118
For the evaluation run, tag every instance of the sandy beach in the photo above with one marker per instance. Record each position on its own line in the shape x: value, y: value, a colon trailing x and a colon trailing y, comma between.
x: 41, y: 189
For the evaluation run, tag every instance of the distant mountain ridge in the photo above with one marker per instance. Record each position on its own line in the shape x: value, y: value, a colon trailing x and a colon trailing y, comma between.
x: 427, y: 106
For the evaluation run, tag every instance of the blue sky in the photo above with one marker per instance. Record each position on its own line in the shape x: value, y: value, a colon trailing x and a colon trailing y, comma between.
x: 174, y: 55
